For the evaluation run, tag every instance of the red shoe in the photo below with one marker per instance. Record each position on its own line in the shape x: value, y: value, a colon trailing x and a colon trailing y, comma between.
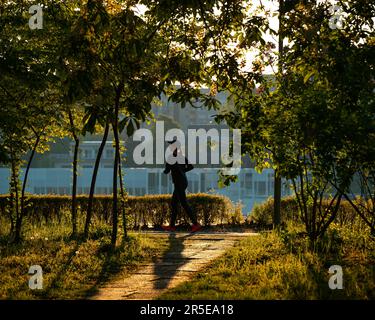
x: 196, y: 227
x: 168, y: 228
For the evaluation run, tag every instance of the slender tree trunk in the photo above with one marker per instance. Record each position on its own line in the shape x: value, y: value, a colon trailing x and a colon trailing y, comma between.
x: 115, y: 167
x: 93, y: 180
x: 14, y: 187
x: 122, y: 193
x: 277, y: 200
x: 18, y: 226
x: 74, y: 189
x: 277, y: 178
x: 75, y: 175
x: 114, y: 205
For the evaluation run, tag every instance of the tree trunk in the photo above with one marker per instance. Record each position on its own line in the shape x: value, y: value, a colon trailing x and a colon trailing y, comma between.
x: 75, y: 175
x: 114, y: 205
x: 93, y: 180
x: 115, y: 167
x: 14, y: 188
x: 18, y: 226
x: 74, y: 189
x: 122, y: 193
x: 277, y: 178
x: 277, y: 200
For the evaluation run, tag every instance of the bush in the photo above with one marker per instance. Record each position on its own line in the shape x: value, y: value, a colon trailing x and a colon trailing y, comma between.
x: 141, y: 210
x: 262, y: 213
x: 237, y: 218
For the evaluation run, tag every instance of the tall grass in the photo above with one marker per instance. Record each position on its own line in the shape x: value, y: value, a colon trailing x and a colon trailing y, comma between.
x: 284, y: 266
x: 71, y: 268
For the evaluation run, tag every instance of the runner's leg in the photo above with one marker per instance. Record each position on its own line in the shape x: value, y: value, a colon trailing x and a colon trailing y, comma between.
x: 182, y: 198
x: 174, y: 208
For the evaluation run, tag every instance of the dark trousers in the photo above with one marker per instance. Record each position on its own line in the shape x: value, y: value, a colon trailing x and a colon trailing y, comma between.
x: 179, y: 196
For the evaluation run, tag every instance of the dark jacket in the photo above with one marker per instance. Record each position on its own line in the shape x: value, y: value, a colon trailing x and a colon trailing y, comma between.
x: 178, y: 171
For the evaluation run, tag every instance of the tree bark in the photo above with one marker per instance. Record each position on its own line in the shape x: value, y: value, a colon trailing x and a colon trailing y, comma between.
x: 277, y: 200
x: 115, y: 167
x: 93, y: 180
x: 114, y: 205
x: 277, y: 178
x: 14, y: 197
x: 122, y: 193
x: 75, y: 175
x: 18, y: 226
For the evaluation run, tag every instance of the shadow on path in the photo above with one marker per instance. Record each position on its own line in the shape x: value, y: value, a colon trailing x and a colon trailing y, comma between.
x: 110, y: 267
x: 171, y: 261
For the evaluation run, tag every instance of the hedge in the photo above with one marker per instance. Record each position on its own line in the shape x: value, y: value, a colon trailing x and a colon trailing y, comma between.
x: 145, y: 210
x: 262, y: 213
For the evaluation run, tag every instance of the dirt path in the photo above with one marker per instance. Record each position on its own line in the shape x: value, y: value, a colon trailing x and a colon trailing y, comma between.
x: 188, y: 253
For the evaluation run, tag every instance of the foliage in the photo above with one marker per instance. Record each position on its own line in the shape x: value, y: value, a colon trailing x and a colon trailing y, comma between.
x: 262, y: 213
x: 314, y: 119
x: 28, y: 98
x: 114, y: 60
x: 143, y: 211
x: 237, y: 218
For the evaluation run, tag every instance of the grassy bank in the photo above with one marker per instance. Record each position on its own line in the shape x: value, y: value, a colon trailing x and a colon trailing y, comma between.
x: 284, y: 266
x: 71, y: 269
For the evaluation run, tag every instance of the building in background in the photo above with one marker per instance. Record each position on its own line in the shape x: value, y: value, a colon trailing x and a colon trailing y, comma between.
x: 251, y: 187
x: 51, y: 172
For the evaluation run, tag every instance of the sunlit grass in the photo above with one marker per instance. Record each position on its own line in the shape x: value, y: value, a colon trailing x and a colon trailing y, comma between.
x: 71, y: 269
x: 271, y: 266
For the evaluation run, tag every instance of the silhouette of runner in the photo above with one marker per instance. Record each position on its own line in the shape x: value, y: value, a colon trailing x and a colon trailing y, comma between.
x: 178, y: 165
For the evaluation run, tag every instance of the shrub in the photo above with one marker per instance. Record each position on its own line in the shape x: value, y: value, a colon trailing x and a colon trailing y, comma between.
x: 237, y: 218
x: 262, y: 213
x: 142, y: 210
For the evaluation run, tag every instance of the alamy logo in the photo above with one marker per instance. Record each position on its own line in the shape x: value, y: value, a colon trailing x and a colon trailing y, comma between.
x: 36, y: 20
x: 36, y: 280
x: 335, y: 281
x: 222, y: 151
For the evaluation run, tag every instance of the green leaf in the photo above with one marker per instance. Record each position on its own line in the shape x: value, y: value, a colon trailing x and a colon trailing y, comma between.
x: 308, y: 76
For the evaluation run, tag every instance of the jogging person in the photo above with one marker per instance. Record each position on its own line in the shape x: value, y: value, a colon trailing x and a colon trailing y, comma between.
x: 178, y: 165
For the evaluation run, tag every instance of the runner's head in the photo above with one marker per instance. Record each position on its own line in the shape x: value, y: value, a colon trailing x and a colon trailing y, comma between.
x: 174, y: 145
